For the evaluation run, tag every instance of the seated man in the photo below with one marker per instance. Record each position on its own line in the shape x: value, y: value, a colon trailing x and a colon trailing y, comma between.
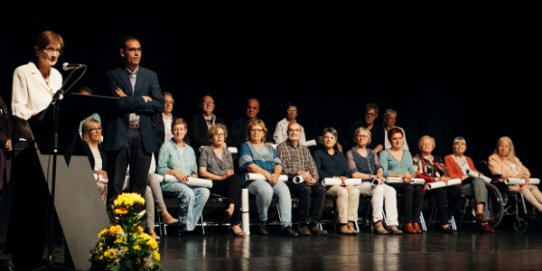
x: 202, y: 122
x: 239, y: 126
x: 297, y: 161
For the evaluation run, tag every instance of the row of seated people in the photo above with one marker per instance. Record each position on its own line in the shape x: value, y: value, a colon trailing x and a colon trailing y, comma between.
x: 178, y: 159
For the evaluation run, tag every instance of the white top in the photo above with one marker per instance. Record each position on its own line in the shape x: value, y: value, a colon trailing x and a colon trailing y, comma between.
x: 97, y: 158
x: 462, y: 162
x: 167, y: 127
x: 30, y: 92
x: 387, y: 143
x: 281, y: 132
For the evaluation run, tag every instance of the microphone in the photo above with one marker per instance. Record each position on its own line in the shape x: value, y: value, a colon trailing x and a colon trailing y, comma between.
x: 67, y: 66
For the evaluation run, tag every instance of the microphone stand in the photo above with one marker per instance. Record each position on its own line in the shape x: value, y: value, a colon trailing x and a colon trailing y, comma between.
x: 55, y: 106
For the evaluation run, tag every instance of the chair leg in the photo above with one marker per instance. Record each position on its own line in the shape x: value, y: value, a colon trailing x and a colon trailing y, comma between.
x: 453, y: 224
x: 422, y: 222
x: 202, y: 225
x: 356, y: 226
x: 159, y: 223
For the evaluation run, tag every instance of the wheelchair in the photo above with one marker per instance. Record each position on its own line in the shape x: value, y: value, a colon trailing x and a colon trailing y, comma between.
x: 495, y: 204
x: 512, y: 204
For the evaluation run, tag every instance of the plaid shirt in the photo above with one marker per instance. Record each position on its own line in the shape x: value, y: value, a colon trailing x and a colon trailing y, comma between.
x: 295, y: 159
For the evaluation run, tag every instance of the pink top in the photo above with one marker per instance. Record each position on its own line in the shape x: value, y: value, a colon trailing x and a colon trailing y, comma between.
x: 507, y: 168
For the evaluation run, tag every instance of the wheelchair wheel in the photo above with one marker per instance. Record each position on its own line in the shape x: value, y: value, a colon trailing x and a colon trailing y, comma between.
x: 520, y: 225
x: 495, y: 203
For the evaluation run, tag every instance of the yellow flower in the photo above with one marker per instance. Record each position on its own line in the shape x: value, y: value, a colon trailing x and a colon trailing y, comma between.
x: 121, y: 211
x: 115, y: 229
x: 152, y: 243
x: 124, y: 245
x: 111, y: 253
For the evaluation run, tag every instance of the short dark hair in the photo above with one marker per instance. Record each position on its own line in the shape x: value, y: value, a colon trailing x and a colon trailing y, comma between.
x: 371, y: 106
x: 127, y: 38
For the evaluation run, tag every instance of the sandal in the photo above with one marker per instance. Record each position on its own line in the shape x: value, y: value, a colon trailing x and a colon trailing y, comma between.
x: 169, y: 219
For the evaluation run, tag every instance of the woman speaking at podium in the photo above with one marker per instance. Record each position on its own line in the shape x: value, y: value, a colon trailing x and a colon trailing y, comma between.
x: 34, y: 85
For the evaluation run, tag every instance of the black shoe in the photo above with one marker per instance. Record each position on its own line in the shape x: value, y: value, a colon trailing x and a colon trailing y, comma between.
x: 290, y: 232
x: 262, y: 228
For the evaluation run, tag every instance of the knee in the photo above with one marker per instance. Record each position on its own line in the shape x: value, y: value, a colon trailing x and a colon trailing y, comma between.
x: 264, y: 193
x: 477, y: 182
x: 305, y: 190
x: 189, y: 194
x: 341, y: 193
x: 456, y: 193
x: 204, y: 193
x: 390, y: 192
x: 354, y: 193
x: 378, y: 192
x: 408, y: 190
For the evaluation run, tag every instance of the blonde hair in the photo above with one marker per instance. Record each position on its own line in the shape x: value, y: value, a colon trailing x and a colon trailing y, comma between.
x: 86, y: 128
x: 256, y: 122
x: 426, y: 137
x: 512, y: 154
x: 214, y: 130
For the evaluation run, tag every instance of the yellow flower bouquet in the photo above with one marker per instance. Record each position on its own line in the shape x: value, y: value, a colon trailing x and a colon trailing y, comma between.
x: 124, y: 245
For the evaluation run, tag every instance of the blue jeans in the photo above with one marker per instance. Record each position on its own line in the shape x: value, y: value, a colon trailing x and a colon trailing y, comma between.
x: 264, y: 194
x: 191, y: 202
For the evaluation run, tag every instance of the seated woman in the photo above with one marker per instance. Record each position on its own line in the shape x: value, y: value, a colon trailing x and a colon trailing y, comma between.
x: 332, y: 164
x: 457, y: 165
x: 431, y: 168
x: 92, y: 136
x: 397, y: 162
x: 216, y: 163
x: 178, y: 159
x: 257, y: 157
x: 504, y: 163
x: 363, y: 163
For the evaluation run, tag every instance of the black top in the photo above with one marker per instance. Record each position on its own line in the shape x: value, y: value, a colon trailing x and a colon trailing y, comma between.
x: 330, y: 165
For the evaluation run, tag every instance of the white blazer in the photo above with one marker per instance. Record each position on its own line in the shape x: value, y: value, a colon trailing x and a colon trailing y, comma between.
x: 30, y: 93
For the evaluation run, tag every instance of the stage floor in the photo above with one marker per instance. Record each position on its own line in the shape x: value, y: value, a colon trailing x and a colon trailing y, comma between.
x: 466, y: 250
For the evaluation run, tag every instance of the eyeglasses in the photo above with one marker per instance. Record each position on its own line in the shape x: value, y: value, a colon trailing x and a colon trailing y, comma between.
x: 131, y: 50
x: 95, y: 129
x: 218, y: 135
x: 256, y: 130
x: 50, y: 50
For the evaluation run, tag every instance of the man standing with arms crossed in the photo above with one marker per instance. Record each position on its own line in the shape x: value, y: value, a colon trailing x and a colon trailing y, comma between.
x: 130, y: 138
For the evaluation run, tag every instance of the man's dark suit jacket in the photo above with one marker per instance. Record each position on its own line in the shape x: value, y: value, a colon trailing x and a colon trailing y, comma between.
x: 198, y: 131
x: 116, y: 130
